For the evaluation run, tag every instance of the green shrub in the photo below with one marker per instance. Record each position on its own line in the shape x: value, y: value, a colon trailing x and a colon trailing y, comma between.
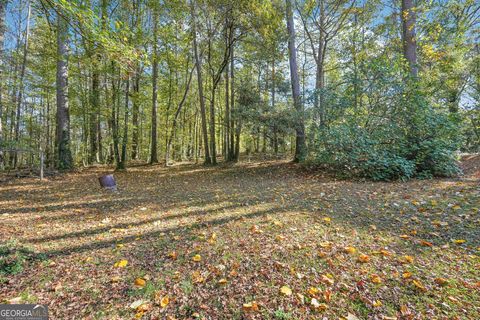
x: 13, y: 258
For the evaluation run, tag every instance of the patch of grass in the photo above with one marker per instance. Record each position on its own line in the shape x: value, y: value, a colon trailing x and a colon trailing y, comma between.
x: 282, y: 315
x: 14, y: 257
x: 187, y: 286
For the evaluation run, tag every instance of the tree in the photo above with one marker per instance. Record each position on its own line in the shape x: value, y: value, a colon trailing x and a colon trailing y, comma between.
x: 198, y: 65
x: 3, y: 5
x: 409, y: 38
x: 153, y: 134
x: 64, y: 155
x: 300, y: 148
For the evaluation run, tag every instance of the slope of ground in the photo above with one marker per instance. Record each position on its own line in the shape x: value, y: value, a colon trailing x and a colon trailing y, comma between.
x: 251, y: 241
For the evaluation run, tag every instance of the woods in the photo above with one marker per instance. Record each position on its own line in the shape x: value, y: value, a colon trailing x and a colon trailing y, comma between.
x: 359, y: 73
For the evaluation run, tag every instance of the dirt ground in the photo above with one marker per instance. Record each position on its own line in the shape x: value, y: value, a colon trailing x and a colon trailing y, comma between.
x: 263, y: 240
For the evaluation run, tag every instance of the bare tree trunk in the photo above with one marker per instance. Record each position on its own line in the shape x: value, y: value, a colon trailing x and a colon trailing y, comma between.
x: 94, y: 114
x: 154, y: 147
x: 300, y: 151
x: 409, y: 38
x: 22, y: 85
x: 122, y: 165
x: 198, y: 64
x: 114, y: 120
x: 135, y: 113
x: 227, y: 114
x: 320, y: 61
x: 233, y: 156
x: 64, y: 155
x: 3, y: 5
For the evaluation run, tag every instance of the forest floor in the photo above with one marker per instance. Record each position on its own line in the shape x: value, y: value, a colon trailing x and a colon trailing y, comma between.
x: 264, y: 240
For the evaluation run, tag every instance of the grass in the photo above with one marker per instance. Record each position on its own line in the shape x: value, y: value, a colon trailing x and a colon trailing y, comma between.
x: 258, y: 226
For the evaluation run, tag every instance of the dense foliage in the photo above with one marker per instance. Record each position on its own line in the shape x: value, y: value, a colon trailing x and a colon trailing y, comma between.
x: 207, y: 79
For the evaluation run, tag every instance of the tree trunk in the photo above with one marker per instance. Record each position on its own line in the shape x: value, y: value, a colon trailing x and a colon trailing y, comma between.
x: 3, y: 5
x: 135, y: 113
x: 213, y: 147
x: 22, y: 85
x: 122, y: 165
x: 300, y: 150
x: 233, y: 157
x: 154, y: 147
x: 408, y: 32
x: 114, y: 121
x: 198, y: 64
x: 64, y: 155
x: 94, y: 114
x: 227, y: 115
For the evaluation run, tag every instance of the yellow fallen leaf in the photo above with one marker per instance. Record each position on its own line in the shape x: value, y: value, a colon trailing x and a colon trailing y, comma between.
x: 312, y: 291
x: 350, y: 250
x: 172, y: 255
x: 279, y: 238
x: 407, y: 259
x: 121, y: 264
x: 327, y: 219
x: 164, y: 302
x: 286, y: 291
x: 212, y: 238
x: 197, y: 277
x: 419, y: 285
x: 139, y: 282
x: 459, y: 241
x: 375, y: 278
x: 377, y: 303
x: 197, y: 258
x: 456, y: 207
x: 363, y: 258
x: 406, y: 275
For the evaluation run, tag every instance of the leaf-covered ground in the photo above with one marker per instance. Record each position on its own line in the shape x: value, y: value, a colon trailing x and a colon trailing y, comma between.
x: 252, y: 241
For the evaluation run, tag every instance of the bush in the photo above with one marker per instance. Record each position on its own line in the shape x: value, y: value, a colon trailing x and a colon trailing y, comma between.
x: 387, y: 152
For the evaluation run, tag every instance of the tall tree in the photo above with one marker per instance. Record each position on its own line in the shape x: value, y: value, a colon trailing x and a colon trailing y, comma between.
x: 64, y: 155
x: 19, y: 98
x: 198, y: 65
x: 153, y: 132
x: 409, y: 37
x: 3, y: 6
x: 300, y: 148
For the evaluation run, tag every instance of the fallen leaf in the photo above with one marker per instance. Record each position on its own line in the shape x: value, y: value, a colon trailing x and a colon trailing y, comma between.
x: 250, y: 306
x: 286, y: 291
x: 375, y: 278
x: 441, y: 281
x: 197, y: 258
x: 350, y: 250
x: 121, y: 264
x: 419, y: 285
x: 164, y: 302
x: 139, y: 282
x: 363, y: 258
